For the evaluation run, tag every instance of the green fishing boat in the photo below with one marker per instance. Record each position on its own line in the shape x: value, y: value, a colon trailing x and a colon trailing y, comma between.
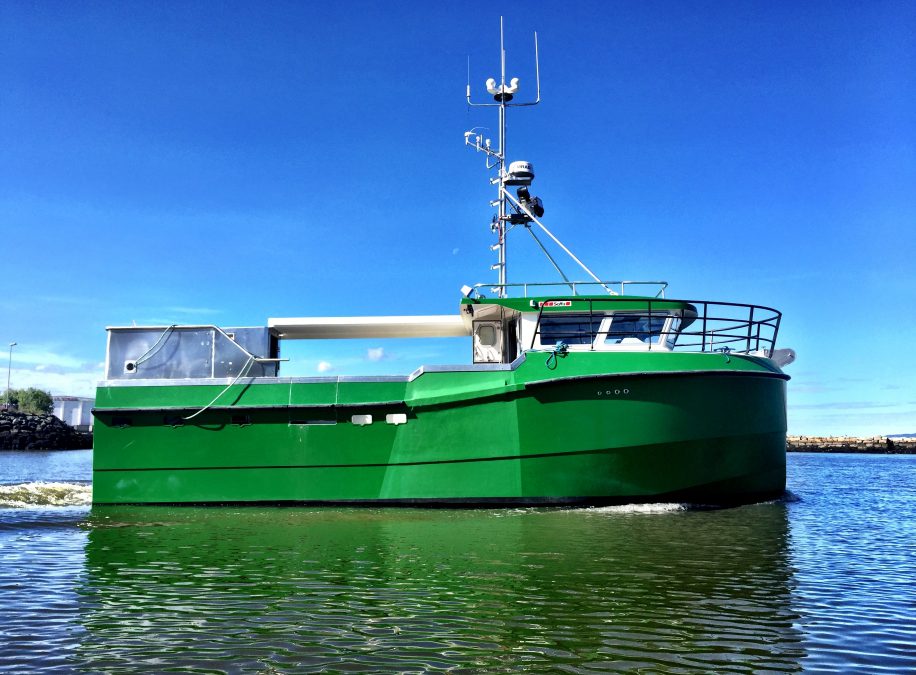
x: 575, y: 392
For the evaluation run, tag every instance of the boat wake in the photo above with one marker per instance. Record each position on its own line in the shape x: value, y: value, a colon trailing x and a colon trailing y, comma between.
x: 641, y: 508
x: 42, y: 493
x: 788, y: 497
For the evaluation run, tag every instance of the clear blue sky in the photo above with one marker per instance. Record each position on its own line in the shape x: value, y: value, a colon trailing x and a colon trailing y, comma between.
x: 229, y: 162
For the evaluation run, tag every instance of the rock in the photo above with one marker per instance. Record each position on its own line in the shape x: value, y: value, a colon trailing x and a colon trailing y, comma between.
x: 23, y: 431
x: 881, y: 445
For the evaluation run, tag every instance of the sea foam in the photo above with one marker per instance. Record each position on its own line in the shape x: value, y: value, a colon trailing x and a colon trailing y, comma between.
x: 641, y: 508
x: 41, y: 493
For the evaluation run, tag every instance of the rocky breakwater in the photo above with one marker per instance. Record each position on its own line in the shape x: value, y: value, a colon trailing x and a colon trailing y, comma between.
x: 879, y: 445
x: 24, y: 431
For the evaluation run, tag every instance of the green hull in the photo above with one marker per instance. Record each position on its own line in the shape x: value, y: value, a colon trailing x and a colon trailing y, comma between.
x: 598, y: 428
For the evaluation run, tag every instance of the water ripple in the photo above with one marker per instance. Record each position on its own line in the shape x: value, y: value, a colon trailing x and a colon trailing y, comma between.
x: 300, y: 590
x: 820, y: 581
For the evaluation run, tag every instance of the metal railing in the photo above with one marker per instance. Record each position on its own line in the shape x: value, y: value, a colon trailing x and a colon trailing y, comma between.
x: 697, y: 325
x: 575, y: 286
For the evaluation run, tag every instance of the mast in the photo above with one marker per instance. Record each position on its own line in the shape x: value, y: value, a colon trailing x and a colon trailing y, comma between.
x: 523, y: 209
x: 496, y: 159
x: 501, y: 98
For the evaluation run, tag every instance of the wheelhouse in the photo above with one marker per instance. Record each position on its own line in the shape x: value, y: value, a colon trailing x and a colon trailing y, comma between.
x: 504, y: 328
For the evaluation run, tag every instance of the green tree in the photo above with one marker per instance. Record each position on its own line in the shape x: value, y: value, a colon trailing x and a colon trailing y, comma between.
x: 32, y: 400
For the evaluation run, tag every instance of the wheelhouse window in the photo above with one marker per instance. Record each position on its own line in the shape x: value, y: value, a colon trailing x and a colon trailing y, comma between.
x: 573, y: 329
x: 487, y: 342
x: 632, y: 327
x: 608, y: 330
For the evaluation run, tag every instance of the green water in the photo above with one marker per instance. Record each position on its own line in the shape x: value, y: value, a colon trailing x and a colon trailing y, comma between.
x: 818, y: 581
x: 416, y: 590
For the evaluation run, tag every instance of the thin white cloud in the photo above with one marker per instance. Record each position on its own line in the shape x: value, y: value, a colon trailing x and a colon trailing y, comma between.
x: 44, y: 367
x: 157, y: 321
x: 77, y: 300
x: 376, y: 353
x: 840, y: 407
x: 811, y: 389
x: 323, y: 367
x: 39, y: 355
x: 194, y: 311
x: 168, y: 316
x: 79, y: 383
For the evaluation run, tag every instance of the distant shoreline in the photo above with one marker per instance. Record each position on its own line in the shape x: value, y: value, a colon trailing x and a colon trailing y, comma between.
x: 876, y: 445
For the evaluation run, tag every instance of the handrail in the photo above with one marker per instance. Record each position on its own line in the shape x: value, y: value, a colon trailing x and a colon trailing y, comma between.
x: 723, y: 326
x: 573, y: 285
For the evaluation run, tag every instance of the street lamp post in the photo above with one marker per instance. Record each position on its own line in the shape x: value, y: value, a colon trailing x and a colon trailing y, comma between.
x: 9, y: 369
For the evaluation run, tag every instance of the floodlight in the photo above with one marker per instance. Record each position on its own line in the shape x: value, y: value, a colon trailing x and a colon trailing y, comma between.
x: 533, y: 204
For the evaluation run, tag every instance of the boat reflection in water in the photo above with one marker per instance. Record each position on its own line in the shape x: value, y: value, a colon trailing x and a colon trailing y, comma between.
x: 383, y: 590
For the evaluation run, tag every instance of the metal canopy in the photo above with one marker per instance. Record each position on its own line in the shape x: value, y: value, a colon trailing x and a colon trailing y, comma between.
x: 320, y: 328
